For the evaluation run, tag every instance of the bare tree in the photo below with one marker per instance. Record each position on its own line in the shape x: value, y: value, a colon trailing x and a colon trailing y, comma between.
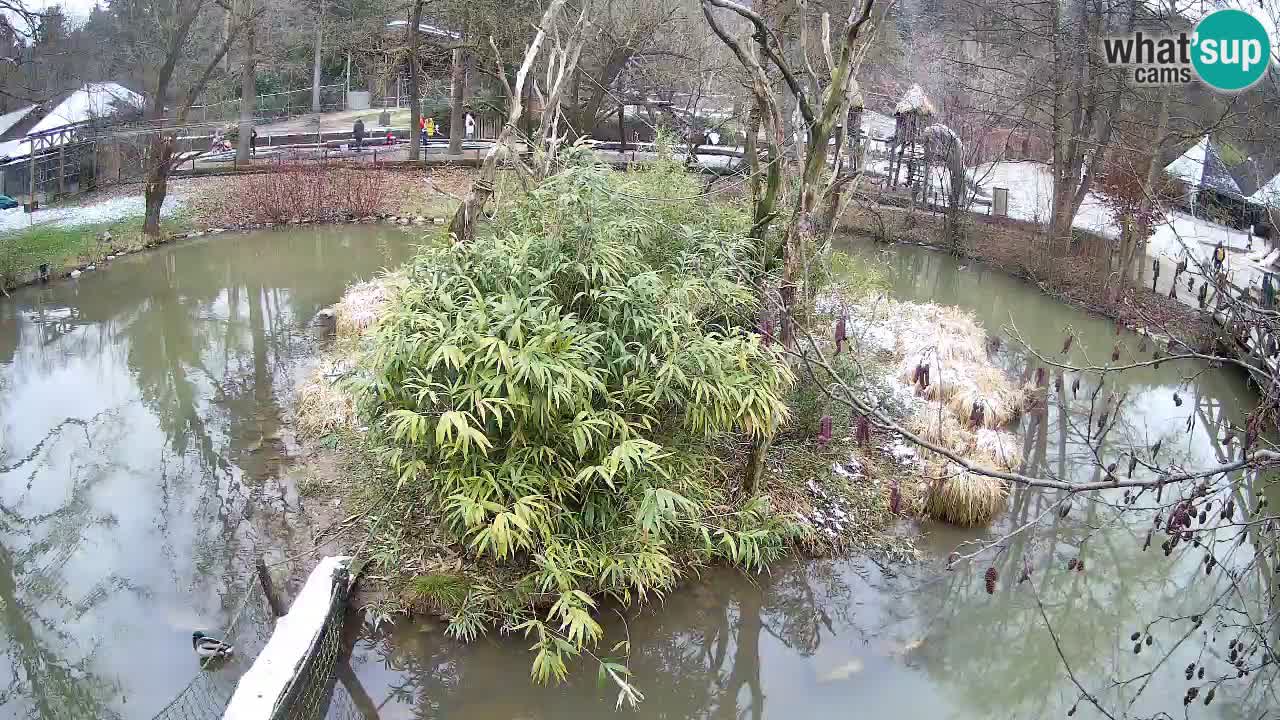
x: 463, y: 225
x: 176, y: 46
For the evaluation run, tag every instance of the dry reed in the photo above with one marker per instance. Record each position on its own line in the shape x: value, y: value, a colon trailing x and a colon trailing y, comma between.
x: 360, y: 307
x: 969, y: 399
x: 964, y: 498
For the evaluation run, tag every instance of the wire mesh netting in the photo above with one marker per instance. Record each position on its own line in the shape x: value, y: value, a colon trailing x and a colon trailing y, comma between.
x: 310, y: 693
x: 311, y: 688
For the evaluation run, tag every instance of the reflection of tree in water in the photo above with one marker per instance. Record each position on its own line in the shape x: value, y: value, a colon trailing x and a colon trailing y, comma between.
x: 696, y: 655
x: 206, y: 333
x: 35, y: 612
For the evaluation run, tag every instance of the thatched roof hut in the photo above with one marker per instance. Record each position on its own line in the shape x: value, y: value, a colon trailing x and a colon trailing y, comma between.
x: 914, y: 102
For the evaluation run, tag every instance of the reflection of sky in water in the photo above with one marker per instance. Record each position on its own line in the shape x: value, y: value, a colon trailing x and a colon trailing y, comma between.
x: 839, y: 639
x: 127, y: 529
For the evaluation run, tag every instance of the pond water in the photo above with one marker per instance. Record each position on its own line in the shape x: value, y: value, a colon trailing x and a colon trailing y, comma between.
x: 846, y: 638
x: 144, y: 459
x: 142, y: 450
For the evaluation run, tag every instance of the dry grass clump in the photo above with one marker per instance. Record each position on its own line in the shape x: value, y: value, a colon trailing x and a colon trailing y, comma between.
x: 969, y: 402
x: 995, y: 448
x: 324, y: 405
x: 360, y: 307
x: 954, y: 348
x: 963, y: 498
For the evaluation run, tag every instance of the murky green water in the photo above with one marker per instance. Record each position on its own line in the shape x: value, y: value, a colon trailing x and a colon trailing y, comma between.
x: 845, y: 639
x: 142, y: 453
x: 141, y: 450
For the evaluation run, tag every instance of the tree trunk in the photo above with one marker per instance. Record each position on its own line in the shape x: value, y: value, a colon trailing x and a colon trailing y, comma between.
x: 415, y: 106
x: 248, y: 95
x: 1149, y: 182
x: 159, y: 154
x: 315, y: 63
x: 456, y: 129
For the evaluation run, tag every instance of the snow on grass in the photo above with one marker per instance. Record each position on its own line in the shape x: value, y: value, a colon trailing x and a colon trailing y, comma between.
x: 105, y: 211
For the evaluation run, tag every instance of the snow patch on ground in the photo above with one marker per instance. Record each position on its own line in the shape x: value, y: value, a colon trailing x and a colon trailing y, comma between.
x: 105, y: 211
x: 1030, y: 186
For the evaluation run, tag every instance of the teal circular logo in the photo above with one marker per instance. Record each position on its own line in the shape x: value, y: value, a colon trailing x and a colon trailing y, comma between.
x: 1230, y: 50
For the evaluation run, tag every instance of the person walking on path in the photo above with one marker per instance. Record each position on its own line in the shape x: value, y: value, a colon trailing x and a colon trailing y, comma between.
x: 357, y: 132
x: 1219, y: 256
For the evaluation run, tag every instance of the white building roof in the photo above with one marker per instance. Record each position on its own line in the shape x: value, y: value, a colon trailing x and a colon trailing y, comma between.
x: 1202, y: 167
x: 427, y: 29
x: 10, y: 119
x: 93, y: 100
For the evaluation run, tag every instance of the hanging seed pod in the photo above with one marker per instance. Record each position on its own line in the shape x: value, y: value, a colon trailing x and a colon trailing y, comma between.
x: 1115, y: 352
x: 1066, y: 508
x: 977, y: 415
x: 1072, y: 711
x: 765, y: 329
x: 1149, y: 640
x: 1135, y: 636
x: 1080, y: 566
x: 1208, y: 697
x: 1147, y: 544
x: 1071, y: 564
x: 824, y: 430
x: 1133, y: 464
x: 1137, y: 648
x: 1167, y: 547
x: 1177, y: 399
x: 1066, y: 344
x: 990, y: 578
x: 1026, y: 571
x: 1075, y: 387
x: 1191, y: 670
x: 1155, y: 450
x: 1203, y: 516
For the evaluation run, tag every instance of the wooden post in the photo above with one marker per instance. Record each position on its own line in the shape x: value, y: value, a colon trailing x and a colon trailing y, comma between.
x: 622, y: 130
x: 31, y: 171
x: 273, y: 600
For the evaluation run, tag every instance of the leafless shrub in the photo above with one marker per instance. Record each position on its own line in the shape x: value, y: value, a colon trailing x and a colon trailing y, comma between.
x: 306, y: 191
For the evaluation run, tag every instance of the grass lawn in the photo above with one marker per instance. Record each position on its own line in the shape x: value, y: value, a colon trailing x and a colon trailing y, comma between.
x: 67, y: 247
